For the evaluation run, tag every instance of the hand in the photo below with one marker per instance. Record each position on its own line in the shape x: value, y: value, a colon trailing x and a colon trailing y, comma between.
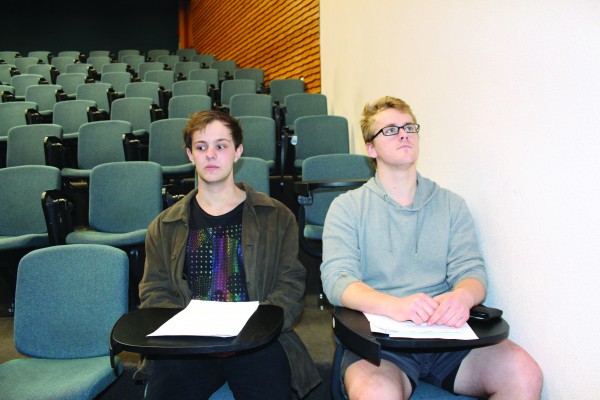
x: 453, y: 309
x: 417, y: 308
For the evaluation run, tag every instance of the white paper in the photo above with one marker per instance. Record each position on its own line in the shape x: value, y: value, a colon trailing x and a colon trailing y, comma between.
x: 209, y: 318
x: 409, y: 329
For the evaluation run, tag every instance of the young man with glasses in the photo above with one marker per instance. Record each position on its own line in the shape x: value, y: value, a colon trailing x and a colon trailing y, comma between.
x: 226, y: 242
x: 403, y: 247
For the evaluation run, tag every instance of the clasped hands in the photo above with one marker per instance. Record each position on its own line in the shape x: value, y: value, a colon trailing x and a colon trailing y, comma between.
x: 450, y: 309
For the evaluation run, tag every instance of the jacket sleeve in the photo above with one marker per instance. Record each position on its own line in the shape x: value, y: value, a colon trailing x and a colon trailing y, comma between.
x: 290, y: 276
x: 156, y: 289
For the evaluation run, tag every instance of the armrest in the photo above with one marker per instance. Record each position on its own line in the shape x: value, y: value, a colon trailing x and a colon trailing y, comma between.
x: 93, y: 114
x: 54, y: 152
x: 171, y: 194
x: 61, y: 95
x: 164, y: 96
x: 157, y: 113
x: 113, y: 95
x: 33, y: 116
x: 132, y: 146
x: 57, y: 213
x: 304, y: 189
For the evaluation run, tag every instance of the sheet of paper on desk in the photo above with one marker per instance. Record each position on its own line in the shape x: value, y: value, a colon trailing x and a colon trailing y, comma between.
x: 383, y: 324
x: 209, y: 318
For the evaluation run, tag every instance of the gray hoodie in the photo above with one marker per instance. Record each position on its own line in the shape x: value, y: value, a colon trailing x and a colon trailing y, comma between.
x: 428, y: 246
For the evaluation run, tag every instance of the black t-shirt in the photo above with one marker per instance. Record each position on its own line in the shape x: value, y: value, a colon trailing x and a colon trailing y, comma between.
x: 214, y: 266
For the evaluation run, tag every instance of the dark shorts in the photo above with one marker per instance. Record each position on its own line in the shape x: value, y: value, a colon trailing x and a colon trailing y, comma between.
x: 439, y: 369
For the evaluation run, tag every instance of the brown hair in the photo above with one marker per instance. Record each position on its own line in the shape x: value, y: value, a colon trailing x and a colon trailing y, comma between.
x: 200, y: 120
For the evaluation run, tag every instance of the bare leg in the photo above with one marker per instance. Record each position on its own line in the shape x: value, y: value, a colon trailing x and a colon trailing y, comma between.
x: 502, y: 371
x: 364, y: 380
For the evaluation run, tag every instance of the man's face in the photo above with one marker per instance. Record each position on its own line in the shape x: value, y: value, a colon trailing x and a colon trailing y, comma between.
x: 401, y: 150
x: 213, y: 152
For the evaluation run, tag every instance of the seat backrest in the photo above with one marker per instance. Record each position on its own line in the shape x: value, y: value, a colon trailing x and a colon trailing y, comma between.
x: 208, y: 75
x: 41, y: 69
x: 67, y: 300
x: 134, y: 61
x: 113, y: 67
x: 43, y: 95
x: 165, y: 143
x: 9, y: 56
x: 253, y: 171
x: 283, y: 87
x: 21, y: 196
x: 25, y: 144
x: 188, y: 53
x: 5, y: 73
x: 321, y: 134
x: 98, y: 61
x: 79, y: 68
x: 256, y: 74
x: 13, y: 114
x: 149, y: 66
x: 259, y: 137
x: 101, y: 142
x: 61, y: 62
x: 71, y: 114
x: 189, y: 87
x: 224, y: 66
x: 124, y: 196
x: 184, y: 67
x: 74, y: 54
x: 143, y: 89
x: 183, y: 106
x: 97, y: 91
x: 169, y: 60
x: 332, y: 167
x: 70, y: 81
x: 164, y: 78
x: 99, y: 53
x: 204, y: 59
x: 302, y: 104
x: 23, y: 81
x: 153, y: 54
x: 118, y: 80
x: 133, y: 109
x: 246, y: 104
x: 22, y: 63
x: 43, y: 55
x: 236, y: 86
x: 127, y: 52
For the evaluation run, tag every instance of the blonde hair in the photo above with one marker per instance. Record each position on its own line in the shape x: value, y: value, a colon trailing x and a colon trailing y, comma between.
x: 371, y: 109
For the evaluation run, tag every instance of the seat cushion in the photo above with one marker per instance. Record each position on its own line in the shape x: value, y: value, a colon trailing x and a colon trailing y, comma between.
x: 32, y: 378
x: 110, y: 239
x: 426, y: 391
x: 23, y: 241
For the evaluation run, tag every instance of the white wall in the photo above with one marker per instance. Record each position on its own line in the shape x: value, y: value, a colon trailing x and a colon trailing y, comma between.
x: 508, y: 97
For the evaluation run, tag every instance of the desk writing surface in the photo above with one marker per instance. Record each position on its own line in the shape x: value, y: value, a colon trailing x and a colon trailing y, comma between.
x: 129, y: 333
x: 353, y: 329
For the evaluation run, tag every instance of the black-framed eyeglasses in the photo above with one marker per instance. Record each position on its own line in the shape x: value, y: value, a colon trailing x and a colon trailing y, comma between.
x: 410, y: 129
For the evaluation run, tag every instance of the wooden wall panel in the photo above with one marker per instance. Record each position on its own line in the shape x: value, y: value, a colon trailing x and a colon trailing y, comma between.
x: 279, y: 36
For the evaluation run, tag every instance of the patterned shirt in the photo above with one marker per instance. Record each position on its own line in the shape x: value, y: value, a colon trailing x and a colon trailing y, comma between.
x: 214, y: 266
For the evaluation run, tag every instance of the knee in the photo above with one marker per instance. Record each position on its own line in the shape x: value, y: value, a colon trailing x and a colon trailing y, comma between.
x: 374, y: 388
x: 526, y: 373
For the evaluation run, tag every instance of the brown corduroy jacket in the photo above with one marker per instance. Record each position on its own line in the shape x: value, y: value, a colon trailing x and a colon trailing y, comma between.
x: 274, y: 275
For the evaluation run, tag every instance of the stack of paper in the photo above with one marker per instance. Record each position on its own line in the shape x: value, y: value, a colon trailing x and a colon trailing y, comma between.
x: 209, y: 318
x: 408, y: 329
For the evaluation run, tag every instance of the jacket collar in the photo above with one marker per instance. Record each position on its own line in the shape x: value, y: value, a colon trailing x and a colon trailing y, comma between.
x: 180, y: 210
